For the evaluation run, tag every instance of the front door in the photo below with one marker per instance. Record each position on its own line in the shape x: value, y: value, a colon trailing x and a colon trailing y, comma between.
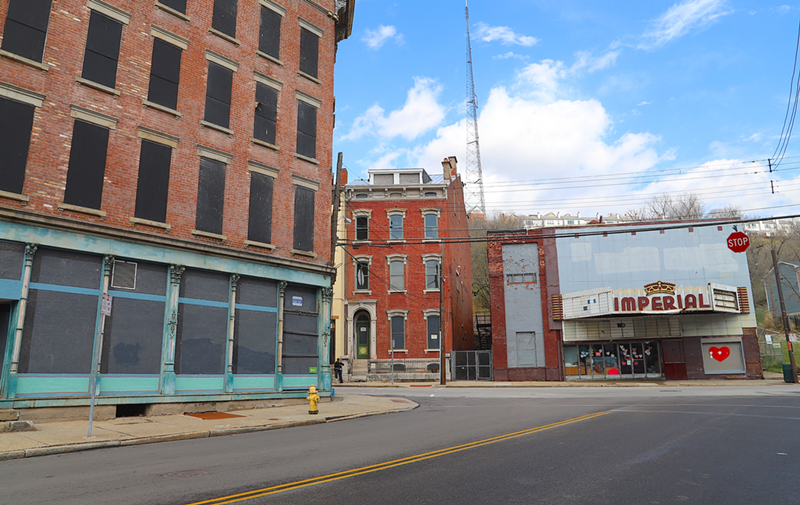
x: 362, y: 338
x: 674, y: 362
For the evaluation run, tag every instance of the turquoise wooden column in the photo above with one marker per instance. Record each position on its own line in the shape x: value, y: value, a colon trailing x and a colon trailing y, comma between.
x: 11, y: 383
x: 171, y: 328
x: 231, y: 327
x: 279, y: 372
x: 324, y: 344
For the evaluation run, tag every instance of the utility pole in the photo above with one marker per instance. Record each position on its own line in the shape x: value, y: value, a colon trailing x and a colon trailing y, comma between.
x: 786, y: 327
x: 335, y: 217
x: 442, y: 360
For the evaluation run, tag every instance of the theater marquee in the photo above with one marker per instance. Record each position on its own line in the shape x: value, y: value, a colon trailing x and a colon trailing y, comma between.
x: 655, y: 298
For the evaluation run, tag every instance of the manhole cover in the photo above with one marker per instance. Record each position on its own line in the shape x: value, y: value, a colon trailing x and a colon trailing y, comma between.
x: 214, y: 415
x: 185, y: 474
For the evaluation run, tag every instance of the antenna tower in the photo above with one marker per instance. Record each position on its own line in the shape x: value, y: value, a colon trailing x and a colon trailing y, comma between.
x: 473, y: 192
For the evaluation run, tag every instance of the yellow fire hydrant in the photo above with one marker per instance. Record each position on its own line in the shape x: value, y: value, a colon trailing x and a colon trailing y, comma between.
x: 313, y: 399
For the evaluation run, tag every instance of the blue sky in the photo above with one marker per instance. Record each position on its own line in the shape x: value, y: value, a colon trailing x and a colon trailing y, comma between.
x: 591, y: 106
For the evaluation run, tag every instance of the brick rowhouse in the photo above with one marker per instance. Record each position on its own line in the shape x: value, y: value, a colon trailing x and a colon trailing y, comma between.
x: 428, y: 213
x: 60, y: 83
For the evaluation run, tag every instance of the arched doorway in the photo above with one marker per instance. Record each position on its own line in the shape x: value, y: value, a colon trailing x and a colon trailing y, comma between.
x: 362, y: 326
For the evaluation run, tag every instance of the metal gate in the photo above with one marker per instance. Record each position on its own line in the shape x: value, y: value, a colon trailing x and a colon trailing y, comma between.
x: 472, y: 365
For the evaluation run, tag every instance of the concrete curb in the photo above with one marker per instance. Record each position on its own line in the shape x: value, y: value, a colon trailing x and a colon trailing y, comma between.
x: 86, y: 446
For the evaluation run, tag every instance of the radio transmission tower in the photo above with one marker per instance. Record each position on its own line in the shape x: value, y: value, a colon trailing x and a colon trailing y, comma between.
x: 473, y: 192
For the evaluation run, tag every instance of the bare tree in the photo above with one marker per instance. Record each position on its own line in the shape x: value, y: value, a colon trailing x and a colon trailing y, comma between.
x: 729, y: 210
x: 688, y: 206
x: 480, y: 262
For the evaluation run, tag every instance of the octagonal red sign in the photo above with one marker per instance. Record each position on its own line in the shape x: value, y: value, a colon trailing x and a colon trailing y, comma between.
x: 738, y: 242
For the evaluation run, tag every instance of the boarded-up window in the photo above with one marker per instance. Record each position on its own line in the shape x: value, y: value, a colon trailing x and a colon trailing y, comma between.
x: 362, y: 275
x: 306, y: 130
x: 269, y: 41
x: 218, y: 95
x: 102, y: 50
x: 309, y: 52
x: 87, y: 165
x: 178, y: 5
x: 266, y: 113
x: 26, y: 28
x: 210, y: 196
x: 398, y: 332
x: 255, y: 327
x: 224, y: 18
x: 165, y: 74
x: 259, y: 228
x: 60, y: 325
x: 530, y: 349
x: 16, y: 123
x: 153, y: 187
x: 362, y: 228
x: 301, y: 331
x: 134, y: 332
x: 433, y: 332
x: 303, y: 219
x: 409, y: 178
x: 202, y: 323
x: 11, y: 258
x: 383, y: 179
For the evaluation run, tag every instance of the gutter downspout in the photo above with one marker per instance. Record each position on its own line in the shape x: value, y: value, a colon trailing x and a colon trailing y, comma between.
x: 11, y: 388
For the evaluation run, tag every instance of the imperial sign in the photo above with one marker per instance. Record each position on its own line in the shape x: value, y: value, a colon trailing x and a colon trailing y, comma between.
x: 738, y: 242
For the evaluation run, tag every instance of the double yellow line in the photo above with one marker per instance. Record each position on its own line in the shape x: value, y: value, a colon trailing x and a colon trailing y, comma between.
x: 224, y: 500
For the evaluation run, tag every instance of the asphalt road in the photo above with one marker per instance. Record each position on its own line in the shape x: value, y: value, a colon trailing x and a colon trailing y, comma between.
x: 724, y: 445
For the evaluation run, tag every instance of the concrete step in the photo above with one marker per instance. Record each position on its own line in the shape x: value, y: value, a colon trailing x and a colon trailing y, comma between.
x: 9, y: 415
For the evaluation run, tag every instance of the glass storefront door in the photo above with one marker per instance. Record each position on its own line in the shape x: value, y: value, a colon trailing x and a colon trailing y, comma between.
x: 617, y: 360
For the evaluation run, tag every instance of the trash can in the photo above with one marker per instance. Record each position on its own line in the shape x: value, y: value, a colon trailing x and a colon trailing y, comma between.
x: 787, y: 373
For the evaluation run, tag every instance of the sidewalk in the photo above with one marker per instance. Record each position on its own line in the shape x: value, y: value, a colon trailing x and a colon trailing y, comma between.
x: 70, y: 436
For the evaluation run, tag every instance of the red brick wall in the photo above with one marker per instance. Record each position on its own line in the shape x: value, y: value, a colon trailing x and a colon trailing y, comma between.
x: 50, y: 144
x: 457, y: 303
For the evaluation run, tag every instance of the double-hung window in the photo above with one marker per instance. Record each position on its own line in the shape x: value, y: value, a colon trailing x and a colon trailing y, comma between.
x: 397, y: 276
x: 432, y: 274
x: 398, y: 332
x: 25, y: 30
x: 362, y: 227
x: 433, y: 331
x: 396, y: 227
x: 431, y: 226
x: 362, y: 275
x: 101, y: 56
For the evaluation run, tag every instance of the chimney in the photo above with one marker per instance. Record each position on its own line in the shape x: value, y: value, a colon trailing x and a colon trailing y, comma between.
x: 449, y: 168
x: 343, y: 177
x: 579, y: 214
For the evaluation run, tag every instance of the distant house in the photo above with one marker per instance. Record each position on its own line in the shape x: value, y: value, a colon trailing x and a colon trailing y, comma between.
x: 790, y: 285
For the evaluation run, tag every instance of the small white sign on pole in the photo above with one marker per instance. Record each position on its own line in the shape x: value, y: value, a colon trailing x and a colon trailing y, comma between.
x: 793, y: 337
x: 768, y: 338
x: 105, y: 307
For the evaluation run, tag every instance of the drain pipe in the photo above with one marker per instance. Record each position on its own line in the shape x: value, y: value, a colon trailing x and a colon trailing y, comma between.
x: 30, y: 250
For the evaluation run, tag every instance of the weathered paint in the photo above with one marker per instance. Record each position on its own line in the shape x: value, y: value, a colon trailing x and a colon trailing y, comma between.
x: 299, y: 381
x: 523, y: 307
x: 242, y: 383
x: 129, y: 384
x: 52, y: 385
x: 199, y: 383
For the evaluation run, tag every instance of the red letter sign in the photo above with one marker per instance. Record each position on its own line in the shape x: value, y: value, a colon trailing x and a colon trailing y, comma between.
x: 738, y: 242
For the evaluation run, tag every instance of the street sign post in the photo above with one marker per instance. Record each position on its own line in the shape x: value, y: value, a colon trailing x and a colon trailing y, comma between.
x: 738, y: 242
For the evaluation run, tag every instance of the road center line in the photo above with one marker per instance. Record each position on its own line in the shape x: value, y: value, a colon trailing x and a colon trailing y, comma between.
x: 224, y: 500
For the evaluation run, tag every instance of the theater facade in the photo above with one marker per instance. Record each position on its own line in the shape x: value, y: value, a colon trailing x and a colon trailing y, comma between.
x: 664, y: 300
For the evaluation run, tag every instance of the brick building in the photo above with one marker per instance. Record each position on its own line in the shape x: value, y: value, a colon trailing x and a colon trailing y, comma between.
x: 175, y: 155
x: 396, y: 228
x: 661, y: 300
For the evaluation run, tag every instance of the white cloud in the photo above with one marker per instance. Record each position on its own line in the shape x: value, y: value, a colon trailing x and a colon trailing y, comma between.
x: 504, y: 34
x: 756, y: 137
x: 510, y: 55
x: 585, y: 60
x: 679, y: 19
x: 543, y: 79
x: 375, y: 39
x: 643, y: 103
x: 421, y: 113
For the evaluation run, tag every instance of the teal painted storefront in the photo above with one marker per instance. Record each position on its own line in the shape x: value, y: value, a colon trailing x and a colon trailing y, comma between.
x: 256, y: 348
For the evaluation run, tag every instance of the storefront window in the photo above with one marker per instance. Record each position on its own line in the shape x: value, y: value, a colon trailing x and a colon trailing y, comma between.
x: 613, y: 360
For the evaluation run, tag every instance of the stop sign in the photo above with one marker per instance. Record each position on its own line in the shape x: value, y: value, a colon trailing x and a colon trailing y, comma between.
x: 738, y: 242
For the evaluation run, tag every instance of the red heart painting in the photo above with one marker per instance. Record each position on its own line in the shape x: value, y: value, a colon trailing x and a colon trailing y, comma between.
x: 720, y: 353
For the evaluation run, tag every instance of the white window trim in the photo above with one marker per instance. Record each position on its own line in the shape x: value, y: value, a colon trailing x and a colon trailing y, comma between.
x: 431, y: 210
x: 362, y: 213
x: 310, y: 27
x: 305, y: 183
x: 158, y: 137
x: 356, y: 261
x: 170, y: 38
x: 222, y: 60
x: 213, y: 154
x: 267, y: 80
x: 262, y: 169
x: 93, y: 117
x: 274, y: 7
x: 21, y: 94
x: 114, y: 13
x: 308, y: 99
x: 396, y: 212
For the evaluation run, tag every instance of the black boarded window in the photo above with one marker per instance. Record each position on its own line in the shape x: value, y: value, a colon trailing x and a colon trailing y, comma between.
x: 306, y: 130
x: 87, y: 165
x: 26, y: 28
x: 153, y: 186
x: 255, y: 329
x: 210, y: 196
x: 165, y: 74
x: 301, y: 331
x: 398, y: 332
x: 102, y: 50
x: 218, y: 95
x: 362, y: 228
x: 433, y: 332
x: 202, y: 323
x: 269, y: 41
x: 178, y: 5
x: 266, y: 115
x: 260, y: 218
x: 309, y: 52
x: 224, y: 19
x: 303, y: 219
x: 16, y: 123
